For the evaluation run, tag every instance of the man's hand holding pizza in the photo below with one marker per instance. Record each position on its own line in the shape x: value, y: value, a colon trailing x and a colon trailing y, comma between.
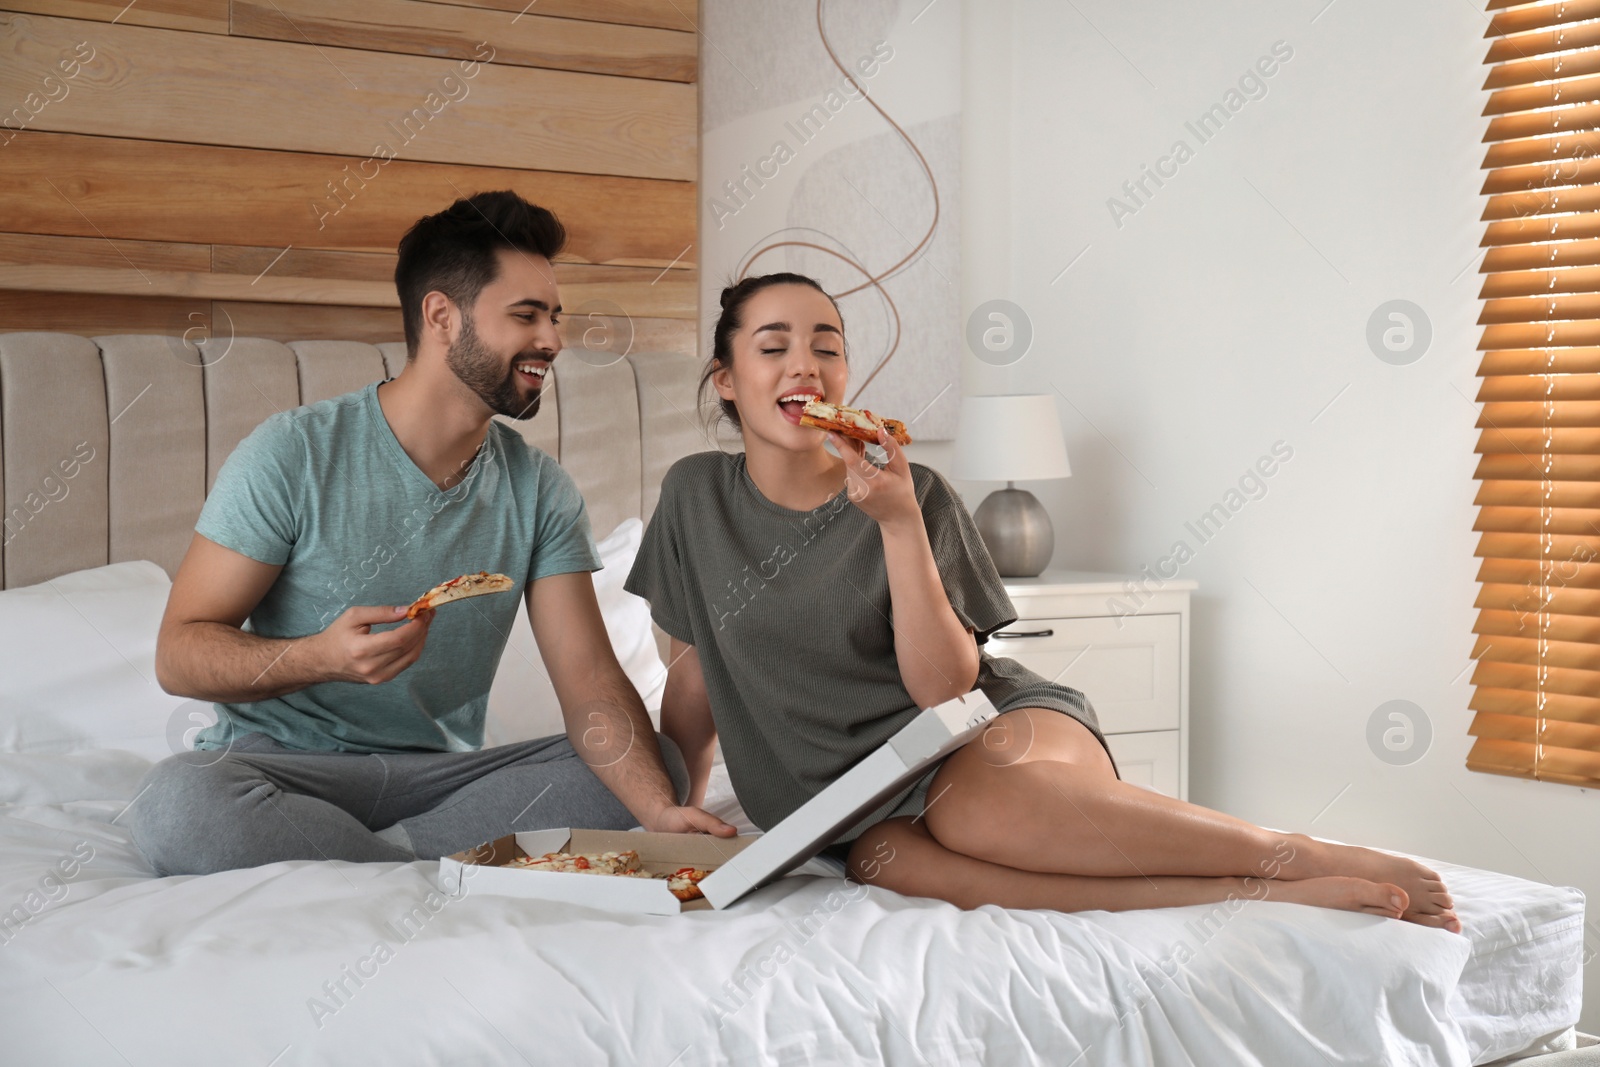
x: 203, y: 652
x: 348, y: 650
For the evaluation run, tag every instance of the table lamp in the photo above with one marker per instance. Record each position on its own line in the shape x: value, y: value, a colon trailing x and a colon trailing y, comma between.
x: 1012, y: 439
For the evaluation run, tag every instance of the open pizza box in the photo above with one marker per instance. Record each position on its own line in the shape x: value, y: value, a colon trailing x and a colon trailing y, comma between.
x: 738, y: 865
x: 483, y: 869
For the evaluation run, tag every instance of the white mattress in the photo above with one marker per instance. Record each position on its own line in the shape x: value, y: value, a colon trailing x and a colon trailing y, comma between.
x: 1522, y: 989
x: 116, y: 966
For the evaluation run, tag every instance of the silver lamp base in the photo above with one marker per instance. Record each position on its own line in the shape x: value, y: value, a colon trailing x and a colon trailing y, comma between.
x: 1017, y: 531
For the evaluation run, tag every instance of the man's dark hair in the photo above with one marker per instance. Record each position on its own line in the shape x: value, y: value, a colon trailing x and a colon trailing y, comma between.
x: 454, y: 251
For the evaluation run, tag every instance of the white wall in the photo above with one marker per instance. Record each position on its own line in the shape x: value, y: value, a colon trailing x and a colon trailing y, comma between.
x: 1224, y: 316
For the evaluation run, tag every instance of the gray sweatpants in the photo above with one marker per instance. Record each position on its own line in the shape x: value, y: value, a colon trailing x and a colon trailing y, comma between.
x: 259, y: 802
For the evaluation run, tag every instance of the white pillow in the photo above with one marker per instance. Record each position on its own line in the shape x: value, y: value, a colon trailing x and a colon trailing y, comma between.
x: 522, y: 702
x: 77, y: 664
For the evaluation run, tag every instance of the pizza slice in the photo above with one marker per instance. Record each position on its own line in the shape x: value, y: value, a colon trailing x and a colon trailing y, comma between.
x: 685, y: 883
x: 459, y: 589
x: 626, y: 862
x: 851, y: 422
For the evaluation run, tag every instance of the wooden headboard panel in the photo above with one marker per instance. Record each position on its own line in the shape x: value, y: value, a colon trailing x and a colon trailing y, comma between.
x: 245, y: 168
x: 109, y: 445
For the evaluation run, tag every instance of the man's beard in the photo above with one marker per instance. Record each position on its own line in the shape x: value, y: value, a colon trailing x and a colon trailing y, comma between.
x: 483, y: 371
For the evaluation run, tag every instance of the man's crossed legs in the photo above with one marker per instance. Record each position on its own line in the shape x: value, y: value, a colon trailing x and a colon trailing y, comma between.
x: 205, y: 811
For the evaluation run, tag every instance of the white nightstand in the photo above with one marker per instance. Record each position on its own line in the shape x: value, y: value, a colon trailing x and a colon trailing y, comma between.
x: 1128, y: 652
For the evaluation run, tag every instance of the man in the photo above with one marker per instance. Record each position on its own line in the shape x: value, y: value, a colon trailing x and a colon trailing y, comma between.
x: 345, y: 731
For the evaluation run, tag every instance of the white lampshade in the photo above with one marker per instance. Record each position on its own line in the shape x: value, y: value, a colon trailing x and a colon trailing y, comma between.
x: 1010, y: 439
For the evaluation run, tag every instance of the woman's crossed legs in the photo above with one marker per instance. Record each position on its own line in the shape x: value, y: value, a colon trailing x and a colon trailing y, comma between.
x: 1030, y: 814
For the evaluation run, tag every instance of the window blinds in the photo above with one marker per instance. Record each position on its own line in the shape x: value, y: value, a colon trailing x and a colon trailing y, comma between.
x: 1537, y: 680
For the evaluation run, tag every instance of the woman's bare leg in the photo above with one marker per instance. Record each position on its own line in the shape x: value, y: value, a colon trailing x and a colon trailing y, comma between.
x: 901, y: 854
x: 1037, y: 792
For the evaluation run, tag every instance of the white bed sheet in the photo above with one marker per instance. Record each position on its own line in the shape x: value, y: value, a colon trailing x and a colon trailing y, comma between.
x: 281, y: 965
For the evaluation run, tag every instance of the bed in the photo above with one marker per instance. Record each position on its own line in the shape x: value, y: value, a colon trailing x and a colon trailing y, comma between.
x: 336, y: 963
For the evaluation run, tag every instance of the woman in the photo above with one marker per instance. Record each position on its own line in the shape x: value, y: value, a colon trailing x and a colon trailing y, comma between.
x: 816, y: 601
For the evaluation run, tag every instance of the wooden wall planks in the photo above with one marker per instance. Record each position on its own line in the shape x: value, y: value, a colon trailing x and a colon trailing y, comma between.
x: 137, y: 201
x: 664, y: 299
x: 667, y: 14
x: 307, y: 276
x: 103, y: 314
x: 25, y: 248
x: 211, y: 16
x: 154, y: 84
x: 71, y: 184
x: 130, y: 280
x: 619, y: 335
x: 300, y: 322
x: 423, y: 29
x: 203, y: 319
x: 378, y: 266
x: 201, y: 16
x: 303, y: 262
x: 198, y: 319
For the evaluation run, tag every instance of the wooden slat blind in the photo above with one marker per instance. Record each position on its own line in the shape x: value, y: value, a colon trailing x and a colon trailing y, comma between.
x: 1537, y: 681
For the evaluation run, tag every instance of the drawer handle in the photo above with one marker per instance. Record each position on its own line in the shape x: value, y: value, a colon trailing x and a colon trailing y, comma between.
x: 1023, y: 633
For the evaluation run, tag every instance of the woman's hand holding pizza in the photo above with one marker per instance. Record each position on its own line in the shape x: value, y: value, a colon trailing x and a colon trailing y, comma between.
x: 887, y: 494
x: 348, y: 650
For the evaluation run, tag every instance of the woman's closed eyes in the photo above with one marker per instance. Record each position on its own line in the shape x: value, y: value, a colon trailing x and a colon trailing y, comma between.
x: 781, y: 351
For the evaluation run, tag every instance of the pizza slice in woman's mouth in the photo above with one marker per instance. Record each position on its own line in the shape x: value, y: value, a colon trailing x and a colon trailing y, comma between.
x: 794, y: 402
x: 851, y: 422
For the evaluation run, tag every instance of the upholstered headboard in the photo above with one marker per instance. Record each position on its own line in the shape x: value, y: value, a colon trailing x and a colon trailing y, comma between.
x: 108, y: 445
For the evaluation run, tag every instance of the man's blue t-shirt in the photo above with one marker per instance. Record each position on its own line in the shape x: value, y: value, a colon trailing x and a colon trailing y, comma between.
x: 327, y: 492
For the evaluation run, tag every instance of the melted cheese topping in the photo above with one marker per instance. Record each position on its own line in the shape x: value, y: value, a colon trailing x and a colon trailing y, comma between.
x: 821, y: 409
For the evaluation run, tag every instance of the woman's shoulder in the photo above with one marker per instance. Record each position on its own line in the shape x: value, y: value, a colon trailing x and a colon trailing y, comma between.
x: 697, y: 474
x: 934, y: 490
x: 700, y: 465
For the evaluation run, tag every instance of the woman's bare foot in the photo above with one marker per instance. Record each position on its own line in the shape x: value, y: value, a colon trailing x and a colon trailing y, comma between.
x: 1428, y: 903
x: 1341, y: 893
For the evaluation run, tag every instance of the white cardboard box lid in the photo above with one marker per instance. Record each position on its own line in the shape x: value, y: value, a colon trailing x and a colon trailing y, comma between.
x: 932, y: 735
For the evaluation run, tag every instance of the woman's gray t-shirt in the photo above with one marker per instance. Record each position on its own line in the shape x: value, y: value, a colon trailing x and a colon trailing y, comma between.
x: 789, y: 612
